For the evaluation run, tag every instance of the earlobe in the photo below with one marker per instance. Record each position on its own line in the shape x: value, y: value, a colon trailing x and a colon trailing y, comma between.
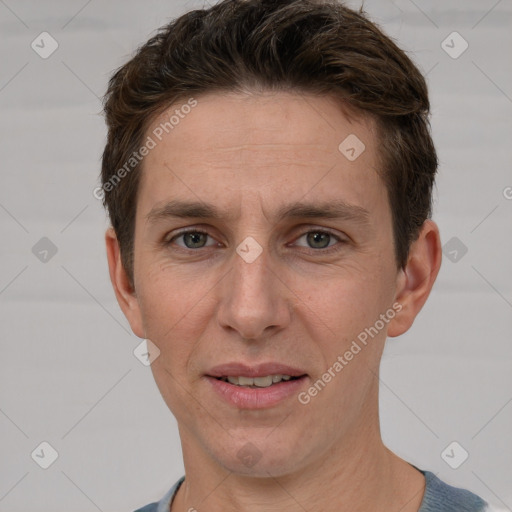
x: 415, y: 281
x: 124, y: 291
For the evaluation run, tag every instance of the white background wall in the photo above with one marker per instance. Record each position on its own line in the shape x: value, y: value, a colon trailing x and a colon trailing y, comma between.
x: 68, y: 374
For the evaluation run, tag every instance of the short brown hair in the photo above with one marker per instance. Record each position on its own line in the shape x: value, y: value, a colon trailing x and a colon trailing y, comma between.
x: 310, y: 46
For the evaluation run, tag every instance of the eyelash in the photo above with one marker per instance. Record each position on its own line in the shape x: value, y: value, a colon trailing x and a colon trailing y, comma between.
x: 326, y: 250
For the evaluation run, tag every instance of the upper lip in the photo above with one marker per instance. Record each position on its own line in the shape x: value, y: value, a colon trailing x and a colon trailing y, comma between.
x: 261, y: 370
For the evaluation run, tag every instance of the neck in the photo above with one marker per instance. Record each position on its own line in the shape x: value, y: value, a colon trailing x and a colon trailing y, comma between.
x: 359, y: 474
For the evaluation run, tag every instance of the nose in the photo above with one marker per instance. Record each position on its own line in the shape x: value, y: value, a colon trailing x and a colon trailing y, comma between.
x: 254, y: 300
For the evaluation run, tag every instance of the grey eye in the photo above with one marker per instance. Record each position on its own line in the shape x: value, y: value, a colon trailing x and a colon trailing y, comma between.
x: 194, y: 239
x: 318, y: 239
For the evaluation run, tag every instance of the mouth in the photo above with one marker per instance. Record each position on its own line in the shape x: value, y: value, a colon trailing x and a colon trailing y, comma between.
x: 255, y: 387
x: 257, y: 382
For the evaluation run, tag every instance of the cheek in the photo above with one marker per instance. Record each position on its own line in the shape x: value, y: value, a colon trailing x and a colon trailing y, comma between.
x: 174, y: 321
x: 167, y: 296
x: 341, y: 311
x: 171, y: 318
x: 344, y: 303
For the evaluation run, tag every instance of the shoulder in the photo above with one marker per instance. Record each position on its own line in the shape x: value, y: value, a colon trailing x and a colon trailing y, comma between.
x: 438, y: 497
x: 441, y: 497
x: 164, y: 504
x: 152, y: 507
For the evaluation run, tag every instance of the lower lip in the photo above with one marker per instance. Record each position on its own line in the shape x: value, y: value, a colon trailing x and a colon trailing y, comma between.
x: 256, y: 398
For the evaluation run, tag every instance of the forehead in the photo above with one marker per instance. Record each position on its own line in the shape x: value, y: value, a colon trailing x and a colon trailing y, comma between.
x: 314, y: 122
x: 268, y: 143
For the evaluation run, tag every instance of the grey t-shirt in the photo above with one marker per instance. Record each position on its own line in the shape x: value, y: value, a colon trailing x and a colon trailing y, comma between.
x: 439, y: 497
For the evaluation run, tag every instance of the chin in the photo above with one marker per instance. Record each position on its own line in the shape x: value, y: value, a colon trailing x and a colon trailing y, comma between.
x: 260, y: 457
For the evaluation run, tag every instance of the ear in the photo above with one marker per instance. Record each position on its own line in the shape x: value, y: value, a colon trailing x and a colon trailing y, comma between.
x: 415, y: 281
x: 125, y: 293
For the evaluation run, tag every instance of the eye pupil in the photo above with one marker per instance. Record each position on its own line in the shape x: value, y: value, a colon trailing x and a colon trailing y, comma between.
x: 316, y: 237
x: 195, y: 237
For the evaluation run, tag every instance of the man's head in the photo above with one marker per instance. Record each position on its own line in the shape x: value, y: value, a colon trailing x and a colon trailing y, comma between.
x: 318, y: 47
x: 279, y: 216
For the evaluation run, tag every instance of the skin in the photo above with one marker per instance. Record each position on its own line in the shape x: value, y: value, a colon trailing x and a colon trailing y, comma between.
x: 297, y: 303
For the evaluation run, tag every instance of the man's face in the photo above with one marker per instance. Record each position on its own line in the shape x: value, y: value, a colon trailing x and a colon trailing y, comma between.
x: 317, y: 284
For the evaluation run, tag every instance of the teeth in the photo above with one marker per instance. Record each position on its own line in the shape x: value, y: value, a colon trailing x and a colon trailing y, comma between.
x: 260, y: 382
x: 263, y: 382
x: 245, y: 381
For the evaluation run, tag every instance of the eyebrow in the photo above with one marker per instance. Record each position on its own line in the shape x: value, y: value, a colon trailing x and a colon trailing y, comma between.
x: 321, y: 210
